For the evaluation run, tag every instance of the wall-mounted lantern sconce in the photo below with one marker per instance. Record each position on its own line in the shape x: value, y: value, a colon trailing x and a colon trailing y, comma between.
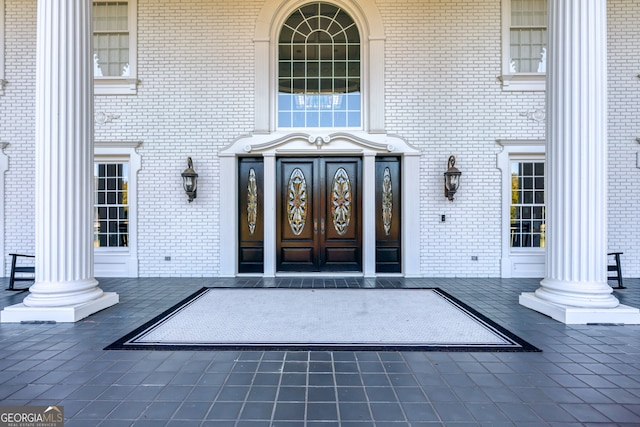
x: 451, y: 179
x: 190, y: 180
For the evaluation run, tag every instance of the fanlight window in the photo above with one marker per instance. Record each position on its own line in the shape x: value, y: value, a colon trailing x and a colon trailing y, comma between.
x: 319, y: 69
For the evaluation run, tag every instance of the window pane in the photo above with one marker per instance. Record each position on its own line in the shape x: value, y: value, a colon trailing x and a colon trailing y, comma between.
x: 340, y: 119
x: 326, y: 119
x: 111, y: 39
x: 539, y: 197
x: 284, y: 118
x: 528, y: 13
x: 354, y: 119
x: 298, y: 119
x: 527, y: 209
x: 111, y: 209
x: 539, y: 168
x: 312, y: 119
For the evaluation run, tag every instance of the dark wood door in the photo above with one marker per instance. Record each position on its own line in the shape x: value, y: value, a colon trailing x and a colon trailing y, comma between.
x: 388, y: 230
x: 319, y: 214
x: 250, y: 219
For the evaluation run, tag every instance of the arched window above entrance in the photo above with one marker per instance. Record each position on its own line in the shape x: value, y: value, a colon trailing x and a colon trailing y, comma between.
x: 350, y: 77
x: 319, y: 69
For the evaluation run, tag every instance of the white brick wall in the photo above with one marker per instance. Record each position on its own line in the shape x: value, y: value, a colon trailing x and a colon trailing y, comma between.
x: 445, y: 98
x: 17, y: 118
x: 195, y: 65
x: 624, y: 128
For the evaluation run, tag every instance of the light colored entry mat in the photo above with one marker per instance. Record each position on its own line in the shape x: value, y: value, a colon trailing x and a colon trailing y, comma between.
x: 321, y: 319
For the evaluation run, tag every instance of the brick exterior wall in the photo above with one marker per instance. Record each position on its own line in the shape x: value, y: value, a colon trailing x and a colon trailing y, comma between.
x: 624, y: 128
x: 443, y: 96
x: 17, y: 128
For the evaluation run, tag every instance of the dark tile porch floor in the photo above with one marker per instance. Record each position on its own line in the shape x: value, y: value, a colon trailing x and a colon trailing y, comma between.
x: 586, y: 375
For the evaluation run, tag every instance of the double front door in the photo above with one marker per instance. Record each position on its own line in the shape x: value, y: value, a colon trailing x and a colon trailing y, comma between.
x: 319, y: 218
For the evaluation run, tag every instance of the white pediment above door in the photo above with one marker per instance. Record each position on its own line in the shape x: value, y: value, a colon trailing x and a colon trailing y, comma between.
x: 319, y: 143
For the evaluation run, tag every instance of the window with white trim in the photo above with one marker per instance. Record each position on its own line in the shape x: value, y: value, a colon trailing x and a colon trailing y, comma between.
x: 319, y: 69
x: 111, y: 210
x: 3, y: 82
x: 524, y: 44
x: 523, y: 230
x: 527, y: 210
x: 116, y: 166
x: 4, y: 166
x: 114, y: 44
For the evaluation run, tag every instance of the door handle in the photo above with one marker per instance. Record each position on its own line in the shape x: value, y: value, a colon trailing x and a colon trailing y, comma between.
x: 315, y: 226
x: 322, y: 226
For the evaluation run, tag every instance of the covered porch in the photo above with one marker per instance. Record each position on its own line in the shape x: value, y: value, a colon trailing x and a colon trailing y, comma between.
x: 585, y: 374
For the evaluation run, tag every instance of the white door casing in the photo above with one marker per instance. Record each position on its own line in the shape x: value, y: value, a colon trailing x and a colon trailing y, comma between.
x: 327, y: 144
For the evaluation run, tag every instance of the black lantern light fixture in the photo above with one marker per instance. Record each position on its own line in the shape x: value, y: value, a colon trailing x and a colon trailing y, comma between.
x: 451, y: 179
x: 190, y: 180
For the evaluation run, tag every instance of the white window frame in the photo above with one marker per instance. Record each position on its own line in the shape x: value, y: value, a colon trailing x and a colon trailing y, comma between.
x: 372, y: 38
x: 516, y: 81
x: 307, y: 77
x: 518, y: 262
x: 4, y: 166
x: 123, y: 85
x: 120, y: 261
x: 3, y: 82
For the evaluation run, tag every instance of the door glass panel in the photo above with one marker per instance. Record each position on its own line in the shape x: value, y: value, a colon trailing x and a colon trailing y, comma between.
x: 341, y: 201
x: 250, y: 218
x: 297, y: 201
x: 252, y: 201
x: 387, y: 201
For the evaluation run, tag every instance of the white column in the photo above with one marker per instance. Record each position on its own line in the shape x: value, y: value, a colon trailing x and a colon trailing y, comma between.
x: 575, y: 288
x: 228, y: 215
x: 369, y: 214
x: 411, y: 215
x: 64, y: 290
x: 270, y: 215
x: 4, y: 166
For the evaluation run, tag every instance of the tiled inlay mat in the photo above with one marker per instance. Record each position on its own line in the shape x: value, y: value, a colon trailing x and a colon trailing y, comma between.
x: 270, y: 318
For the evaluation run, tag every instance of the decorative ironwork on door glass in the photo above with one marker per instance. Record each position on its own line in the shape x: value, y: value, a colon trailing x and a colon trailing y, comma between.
x: 297, y: 201
x: 387, y: 201
x: 341, y: 201
x: 252, y: 201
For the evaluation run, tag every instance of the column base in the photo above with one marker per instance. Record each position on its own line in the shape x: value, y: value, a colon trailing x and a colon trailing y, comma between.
x: 71, y: 313
x: 622, y: 314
